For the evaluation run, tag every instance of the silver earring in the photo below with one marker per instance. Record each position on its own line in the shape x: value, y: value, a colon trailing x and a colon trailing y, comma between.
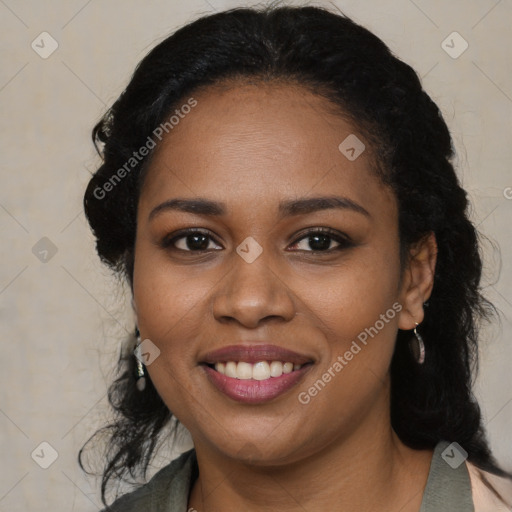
x: 140, y: 369
x: 417, y: 346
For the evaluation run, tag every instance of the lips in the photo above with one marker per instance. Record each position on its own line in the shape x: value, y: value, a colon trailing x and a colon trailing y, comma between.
x: 255, y: 373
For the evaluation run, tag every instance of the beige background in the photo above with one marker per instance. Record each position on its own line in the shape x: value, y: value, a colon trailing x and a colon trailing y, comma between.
x: 61, y: 320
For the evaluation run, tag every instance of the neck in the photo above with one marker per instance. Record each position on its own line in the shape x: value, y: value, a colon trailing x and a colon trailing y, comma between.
x: 371, y: 469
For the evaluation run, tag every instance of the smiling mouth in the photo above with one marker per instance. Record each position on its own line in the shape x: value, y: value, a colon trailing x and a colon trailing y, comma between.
x: 255, y: 373
x: 261, y: 370
x: 255, y: 383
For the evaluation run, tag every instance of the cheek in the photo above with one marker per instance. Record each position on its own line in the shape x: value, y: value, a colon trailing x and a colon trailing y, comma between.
x: 167, y: 309
x: 168, y: 306
x: 164, y: 297
x: 352, y: 297
x: 358, y: 314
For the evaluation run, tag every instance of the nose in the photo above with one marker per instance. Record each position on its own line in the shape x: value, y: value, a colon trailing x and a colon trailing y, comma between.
x: 253, y: 293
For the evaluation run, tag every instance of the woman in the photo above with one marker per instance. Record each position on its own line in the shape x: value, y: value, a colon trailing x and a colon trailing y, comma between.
x: 278, y: 191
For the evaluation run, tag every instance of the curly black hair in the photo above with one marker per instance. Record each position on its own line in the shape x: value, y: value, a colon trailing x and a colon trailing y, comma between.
x: 347, y: 64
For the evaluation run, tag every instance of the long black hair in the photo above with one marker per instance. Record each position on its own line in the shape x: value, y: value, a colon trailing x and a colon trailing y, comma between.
x: 344, y: 62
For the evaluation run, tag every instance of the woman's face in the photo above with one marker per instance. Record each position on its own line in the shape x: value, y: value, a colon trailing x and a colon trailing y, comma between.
x: 296, y: 261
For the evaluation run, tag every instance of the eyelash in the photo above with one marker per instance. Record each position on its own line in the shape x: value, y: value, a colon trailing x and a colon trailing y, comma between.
x: 343, y: 240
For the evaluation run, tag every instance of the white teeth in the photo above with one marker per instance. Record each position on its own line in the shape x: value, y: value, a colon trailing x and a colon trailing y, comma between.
x: 276, y: 369
x: 287, y: 367
x: 231, y: 369
x: 244, y: 371
x: 262, y: 370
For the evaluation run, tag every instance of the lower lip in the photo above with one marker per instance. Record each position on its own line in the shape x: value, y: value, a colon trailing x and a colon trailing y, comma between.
x: 255, y: 391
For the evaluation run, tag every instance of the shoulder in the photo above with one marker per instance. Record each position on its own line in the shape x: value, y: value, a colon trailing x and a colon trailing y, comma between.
x: 166, y: 491
x: 485, y: 498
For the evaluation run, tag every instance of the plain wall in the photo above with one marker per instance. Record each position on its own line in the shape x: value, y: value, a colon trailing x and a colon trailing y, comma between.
x: 62, y: 319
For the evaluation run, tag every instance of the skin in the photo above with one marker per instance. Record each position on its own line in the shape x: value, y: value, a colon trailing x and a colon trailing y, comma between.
x: 251, y: 146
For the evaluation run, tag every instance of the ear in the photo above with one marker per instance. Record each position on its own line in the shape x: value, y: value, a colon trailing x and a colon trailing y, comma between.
x: 417, y: 281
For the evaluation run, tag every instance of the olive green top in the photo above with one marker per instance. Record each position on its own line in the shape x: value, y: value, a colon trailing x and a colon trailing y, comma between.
x: 448, y: 488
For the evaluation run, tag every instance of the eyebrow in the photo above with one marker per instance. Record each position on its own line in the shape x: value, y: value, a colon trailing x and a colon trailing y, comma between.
x: 200, y: 206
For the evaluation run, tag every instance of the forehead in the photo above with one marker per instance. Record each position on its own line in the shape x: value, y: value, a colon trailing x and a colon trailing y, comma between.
x: 262, y: 140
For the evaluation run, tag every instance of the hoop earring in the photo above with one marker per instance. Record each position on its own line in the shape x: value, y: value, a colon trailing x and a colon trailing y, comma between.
x: 417, y: 346
x: 140, y: 373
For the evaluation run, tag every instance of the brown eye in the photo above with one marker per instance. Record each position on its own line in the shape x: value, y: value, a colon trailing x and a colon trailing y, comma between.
x: 190, y: 240
x: 320, y: 240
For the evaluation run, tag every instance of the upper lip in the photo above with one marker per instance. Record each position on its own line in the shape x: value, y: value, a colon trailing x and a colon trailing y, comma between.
x: 253, y: 354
